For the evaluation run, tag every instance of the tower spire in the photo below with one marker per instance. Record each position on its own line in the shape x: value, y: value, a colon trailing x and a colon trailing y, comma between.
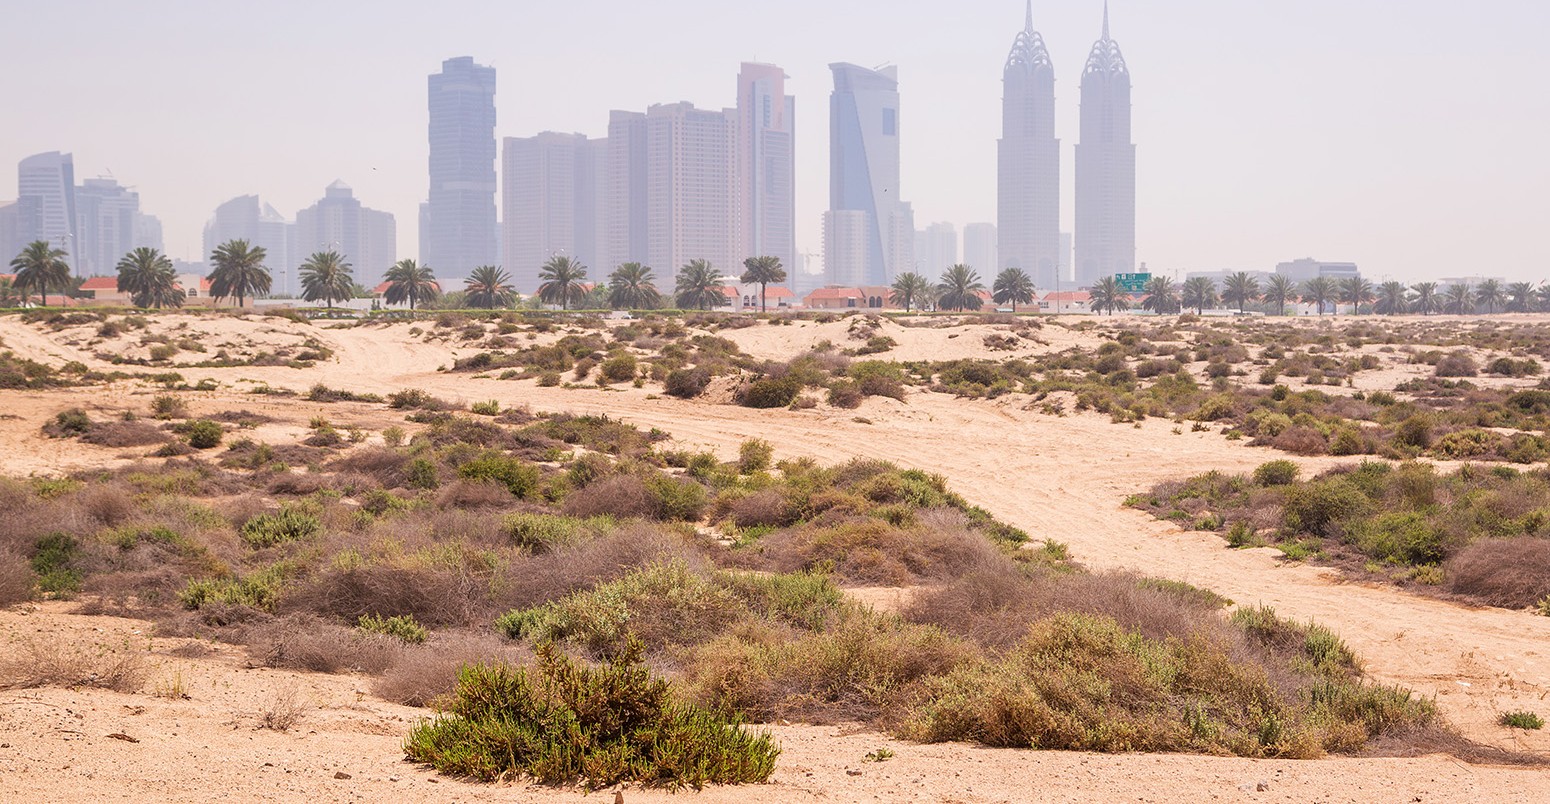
x: 1105, y: 18
x: 1028, y: 26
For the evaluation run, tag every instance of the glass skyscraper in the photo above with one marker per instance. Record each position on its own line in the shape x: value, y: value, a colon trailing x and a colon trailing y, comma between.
x: 1105, y: 166
x: 457, y: 224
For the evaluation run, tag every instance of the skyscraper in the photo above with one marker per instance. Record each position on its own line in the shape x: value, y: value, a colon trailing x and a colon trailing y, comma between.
x: 1105, y: 166
x: 1028, y: 191
x: 551, y: 194
x: 845, y: 233
x: 624, y: 188
x: 691, y: 189
x: 458, y: 222
x: 366, y: 238
x: 108, y: 225
x: 979, y: 247
x: 247, y: 218
x: 936, y: 249
x: 46, y: 184
x: 18, y: 220
x: 864, y: 168
x: 766, y: 164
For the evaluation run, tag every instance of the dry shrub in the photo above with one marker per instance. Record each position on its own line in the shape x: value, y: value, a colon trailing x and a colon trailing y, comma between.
x: 474, y: 494
x: 538, y: 579
x: 118, y: 434
x: 869, y: 551
x: 435, y: 594
x: 423, y: 673
x: 109, y: 504
x: 1512, y: 573
x: 387, y: 466
x: 619, y: 496
x: 15, y: 578
x: 298, y: 485
x: 55, y: 660
x: 306, y: 642
x: 1301, y: 440
x: 284, y: 710
x: 763, y: 508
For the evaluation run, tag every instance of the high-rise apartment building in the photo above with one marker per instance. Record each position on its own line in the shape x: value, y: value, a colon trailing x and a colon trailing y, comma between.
x: 46, y: 184
x: 864, y: 167
x: 109, y: 225
x: 552, y: 202
x: 691, y: 189
x: 18, y: 220
x: 367, y: 238
x: 624, y: 186
x: 458, y: 221
x: 936, y: 249
x: 845, y: 247
x: 979, y: 247
x: 261, y: 225
x: 1105, y: 166
x: 766, y: 164
x: 1028, y: 161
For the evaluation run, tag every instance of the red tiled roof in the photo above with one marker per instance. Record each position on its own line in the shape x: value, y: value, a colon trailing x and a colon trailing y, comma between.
x: 836, y: 293
x: 778, y: 292
x: 1067, y: 296
x: 100, y: 283
x: 730, y: 293
x: 383, y: 288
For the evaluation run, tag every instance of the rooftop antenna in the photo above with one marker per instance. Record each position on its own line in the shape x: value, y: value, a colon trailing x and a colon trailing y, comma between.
x: 1105, y: 19
x: 1029, y: 23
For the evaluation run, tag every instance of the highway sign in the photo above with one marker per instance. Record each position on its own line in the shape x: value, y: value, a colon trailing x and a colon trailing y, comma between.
x: 1133, y: 283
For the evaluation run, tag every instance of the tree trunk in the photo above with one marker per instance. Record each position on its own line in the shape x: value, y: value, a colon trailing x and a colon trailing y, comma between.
x: 763, y: 307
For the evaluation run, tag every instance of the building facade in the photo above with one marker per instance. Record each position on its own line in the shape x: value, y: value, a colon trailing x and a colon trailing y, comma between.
x: 936, y: 249
x: 46, y: 187
x: 1105, y: 166
x: 248, y: 218
x: 1028, y: 162
x: 109, y: 224
x: 864, y: 169
x: 458, y: 229
x: 624, y: 182
x: 552, y: 204
x: 691, y: 189
x: 980, y: 247
x: 366, y: 238
x: 766, y: 164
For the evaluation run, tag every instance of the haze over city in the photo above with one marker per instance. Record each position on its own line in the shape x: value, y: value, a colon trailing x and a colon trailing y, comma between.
x: 1406, y: 139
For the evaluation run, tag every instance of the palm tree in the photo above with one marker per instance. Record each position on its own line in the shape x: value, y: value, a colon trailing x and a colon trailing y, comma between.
x: 958, y: 289
x: 149, y: 279
x: 326, y: 277
x: 41, y: 267
x: 633, y: 287
x: 1319, y: 291
x: 1241, y: 289
x: 1426, y: 300
x: 1543, y: 295
x: 1162, y: 295
x: 1392, y: 298
x: 1356, y: 292
x: 408, y: 281
x: 910, y: 288
x: 1491, y: 295
x: 9, y: 295
x: 239, y: 271
x: 765, y: 271
x: 563, y: 278
x: 488, y: 287
x: 1520, y: 297
x: 1108, y: 297
x: 699, y: 286
x: 1278, y: 292
x: 1013, y: 285
x: 1199, y: 292
x: 1458, y: 300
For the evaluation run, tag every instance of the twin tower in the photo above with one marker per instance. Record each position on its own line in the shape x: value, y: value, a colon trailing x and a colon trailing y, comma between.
x: 1029, y: 165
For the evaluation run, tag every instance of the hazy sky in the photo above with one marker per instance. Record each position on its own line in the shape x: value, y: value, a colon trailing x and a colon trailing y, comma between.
x: 1409, y: 137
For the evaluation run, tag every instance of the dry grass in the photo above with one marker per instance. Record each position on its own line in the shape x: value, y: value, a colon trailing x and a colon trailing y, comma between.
x: 426, y: 672
x: 304, y: 642
x: 15, y: 578
x: 119, y: 434
x: 54, y: 660
x: 285, y: 709
x: 1513, y: 573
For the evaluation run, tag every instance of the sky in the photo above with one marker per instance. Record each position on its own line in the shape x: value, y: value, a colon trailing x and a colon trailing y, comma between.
x: 1409, y: 137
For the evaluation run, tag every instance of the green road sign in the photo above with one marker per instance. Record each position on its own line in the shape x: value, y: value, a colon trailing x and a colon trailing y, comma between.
x: 1133, y: 283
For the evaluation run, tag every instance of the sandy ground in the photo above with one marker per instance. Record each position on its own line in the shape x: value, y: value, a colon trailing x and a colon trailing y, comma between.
x: 1061, y: 478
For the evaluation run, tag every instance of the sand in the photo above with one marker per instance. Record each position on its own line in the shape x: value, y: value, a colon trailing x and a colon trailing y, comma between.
x: 1061, y: 478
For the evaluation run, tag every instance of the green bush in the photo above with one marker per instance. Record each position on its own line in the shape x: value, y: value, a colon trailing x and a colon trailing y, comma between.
x: 258, y: 590
x: 769, y: 392
x: 1318, y: 506
x: 1276, y: 473
x: 565, y: 721
x: 543, y: 533
x: 518, y: 476
x: 675, y: 499
x: 403, y: 628
x: 204, y: 434
x: 1522, y: 720
x: 72, y: 422
x: 291, y: 523
x: 1408, y: 537
x: 421, y: 473
x: 490, y: 408
x: 168, y: 406
x: 754, y: 456
x: 619, y: 368
x: 53, y: 559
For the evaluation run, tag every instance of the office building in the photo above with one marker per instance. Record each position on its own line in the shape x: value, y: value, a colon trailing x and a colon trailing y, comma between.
x: 248, y: 218
x: 766, y: 164
x: 552, y: 204
x: 46, y: 186
x: 936, y: 249
x: 1028, y: 161
x: 458, y: 227
x: 691, y: 189
x: 980, y: 246
x: 366, y: 238
x: 1105, y: 166
x: 864, y: 173
x: 109, y: 225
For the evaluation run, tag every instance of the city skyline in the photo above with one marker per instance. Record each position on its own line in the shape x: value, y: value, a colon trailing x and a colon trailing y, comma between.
x: 1328, y: 147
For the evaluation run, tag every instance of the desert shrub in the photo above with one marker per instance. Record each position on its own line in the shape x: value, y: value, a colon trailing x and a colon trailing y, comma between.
x: 675, y: 499
x: 256, y: 590
x: 55, y: 660
x: 1457, y: 364
x: 754, y: 456
x: 769, y: 392
x: 1415, y: 431
x: 764, y: 508
x: 1469, y: 443
x: 204, y: 434
x: 1276, y: 473
x: 489, y: 408
x: 1318, y: 506
x: 1408, y: 537
x: 518, y: 476
x: 619, y: 368
x: 1300, y: 440
x: 66, y: 423
x: 118, y: 434
x: 54, y: 560
x: 565, y: 721
x: 163, y: 351
x: 618, y: 496
x: 1512, y: 573
x: 421, y: 473
x: 291, y: 523
x: 422, y: 674
x: 167, y: 406
x: 403, y: 628
x: 1522, y: 720
x: 686, y: 383
x: 544, y: 533
x: 1508, y: 367
x: 16, y: 578
x: 845, y: 394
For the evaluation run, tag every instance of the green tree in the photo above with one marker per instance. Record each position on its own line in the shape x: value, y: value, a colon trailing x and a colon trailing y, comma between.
x: 1108, y: 297
x: 149, y: 279
x: 326, y: 277
x: 408, y: 281
x: 1543, y: 295
x: 765, y: 271
x: 1241, y: 289
x: 1013, y: 286
x: 9, y: 295
x: 239, y: 271
x: 562, y: 281
x: 1278, y: 292
x: 1356, y: 292
x: 699, y: 286
x: 1426, y: 300
x: 488, y: 287
x: 1199, y: 292
x: 633, y: 286
x: 909, y: 289
x: 959, y: 289
x: 1491, y: 295
x: 1520, y: 297
x: 1162, y: 295
x: 41, y: 267
x: 1393, y: 299
x: 1458, y: 300
x: 1319, y: 291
